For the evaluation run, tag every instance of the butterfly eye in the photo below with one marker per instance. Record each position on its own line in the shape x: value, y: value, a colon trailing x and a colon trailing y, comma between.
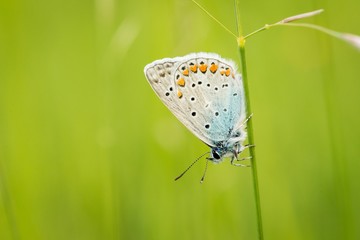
x: 215, y: 154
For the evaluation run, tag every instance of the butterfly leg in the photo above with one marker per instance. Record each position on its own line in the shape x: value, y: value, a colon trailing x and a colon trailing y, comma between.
x: 249, y: 145
x: 241, y: 159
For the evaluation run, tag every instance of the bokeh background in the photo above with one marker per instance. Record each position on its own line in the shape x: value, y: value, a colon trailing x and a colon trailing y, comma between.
x: 87, y: 150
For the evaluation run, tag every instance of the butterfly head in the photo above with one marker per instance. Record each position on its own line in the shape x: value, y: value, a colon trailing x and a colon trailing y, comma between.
x: 217, y: 154
x: 221, y: 151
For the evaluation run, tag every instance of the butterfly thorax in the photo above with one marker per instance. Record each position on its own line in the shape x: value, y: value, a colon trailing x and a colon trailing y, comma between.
x: 228, y: 148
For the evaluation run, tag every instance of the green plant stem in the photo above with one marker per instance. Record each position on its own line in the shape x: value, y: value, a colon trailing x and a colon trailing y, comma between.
x: 241, y: 45
x: 256, y: 31
x: 5, y: 198
x: 305, y: 25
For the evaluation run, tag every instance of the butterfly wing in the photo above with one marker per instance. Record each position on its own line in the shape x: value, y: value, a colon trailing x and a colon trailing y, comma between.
x: 203, y: 91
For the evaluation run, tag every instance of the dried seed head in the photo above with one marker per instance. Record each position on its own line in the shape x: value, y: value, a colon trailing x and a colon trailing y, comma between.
x: 351, y: 39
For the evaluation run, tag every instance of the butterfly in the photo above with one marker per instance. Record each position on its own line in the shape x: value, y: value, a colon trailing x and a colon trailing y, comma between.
x: 205, y: 92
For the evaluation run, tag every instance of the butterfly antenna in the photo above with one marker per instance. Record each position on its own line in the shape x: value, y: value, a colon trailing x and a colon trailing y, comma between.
x: 191, y: 166
x: 203, y: 177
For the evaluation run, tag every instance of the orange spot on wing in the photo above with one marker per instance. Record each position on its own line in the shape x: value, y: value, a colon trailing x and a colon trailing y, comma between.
x: 179, y: 94
x: 227, y: 72
x: 203, y: 68
x: 186, y: 72
x: 213, y: 68
x: 193, y: 68
x: 181, y: 82
x: 222, y: 72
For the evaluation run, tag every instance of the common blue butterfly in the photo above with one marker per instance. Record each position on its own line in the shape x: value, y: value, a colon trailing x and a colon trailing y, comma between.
x: 205, y: 92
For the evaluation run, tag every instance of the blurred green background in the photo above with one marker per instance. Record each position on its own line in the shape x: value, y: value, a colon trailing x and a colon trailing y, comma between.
x: 87, y: 150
